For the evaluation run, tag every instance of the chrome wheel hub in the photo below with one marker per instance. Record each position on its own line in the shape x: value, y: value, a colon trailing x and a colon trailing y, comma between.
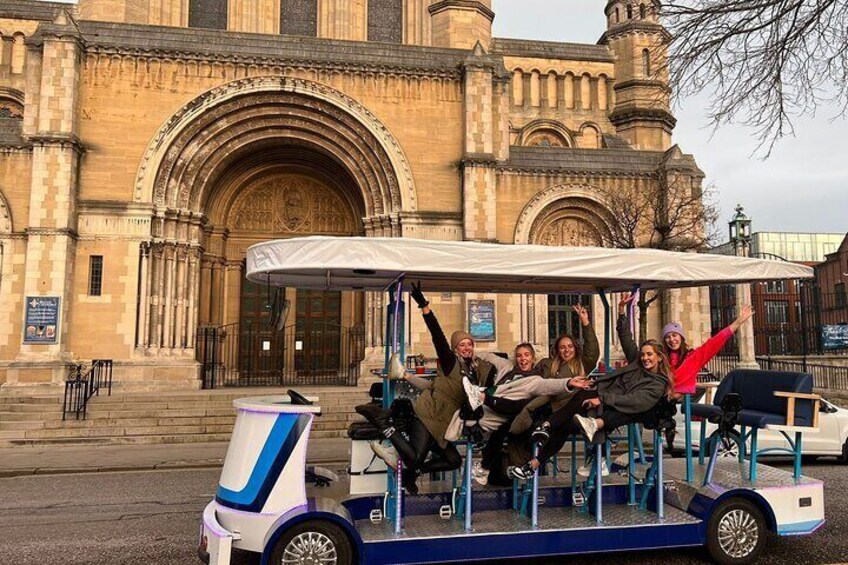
x: 310, y: 548
x: 738, y: 533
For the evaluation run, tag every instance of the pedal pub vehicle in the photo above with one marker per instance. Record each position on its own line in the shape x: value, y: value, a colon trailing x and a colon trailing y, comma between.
x: 728, y: 505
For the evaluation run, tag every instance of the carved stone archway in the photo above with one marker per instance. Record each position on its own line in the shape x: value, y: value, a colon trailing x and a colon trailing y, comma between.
x: 216, y: 146
x: 563, y: 215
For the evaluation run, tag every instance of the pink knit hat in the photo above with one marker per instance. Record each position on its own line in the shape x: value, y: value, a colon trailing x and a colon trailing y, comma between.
x: 673, y: 328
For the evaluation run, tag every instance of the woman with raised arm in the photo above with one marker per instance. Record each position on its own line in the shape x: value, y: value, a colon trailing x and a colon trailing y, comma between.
x: 436, y: 405
x: 683, y: 360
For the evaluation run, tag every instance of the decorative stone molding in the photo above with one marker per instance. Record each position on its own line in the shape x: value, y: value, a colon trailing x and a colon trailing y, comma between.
x: 6, y: 226
x: 153, y: 184
x: 540, y: 128
x: 557, y: 198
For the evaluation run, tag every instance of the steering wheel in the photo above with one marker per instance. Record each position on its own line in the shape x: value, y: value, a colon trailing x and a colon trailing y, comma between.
x: 298, y: 399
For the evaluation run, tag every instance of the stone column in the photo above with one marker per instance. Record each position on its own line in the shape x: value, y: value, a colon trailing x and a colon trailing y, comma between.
x: 745, y: 335
x: 52, y: 128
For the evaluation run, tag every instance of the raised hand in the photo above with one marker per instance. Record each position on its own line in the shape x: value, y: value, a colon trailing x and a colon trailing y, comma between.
x: 625, y: 299
x: 418, y: 296
x: 582, y: 313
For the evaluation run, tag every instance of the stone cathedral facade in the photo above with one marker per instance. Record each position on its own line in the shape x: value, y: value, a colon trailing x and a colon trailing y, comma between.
x: 146, y: 144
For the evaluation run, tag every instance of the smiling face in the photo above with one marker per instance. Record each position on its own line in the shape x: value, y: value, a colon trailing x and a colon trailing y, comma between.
x: 650, y: 358
x: 465, y: 349
x: 673, y: 341
x: 566, y: 349
x: 524, y: 358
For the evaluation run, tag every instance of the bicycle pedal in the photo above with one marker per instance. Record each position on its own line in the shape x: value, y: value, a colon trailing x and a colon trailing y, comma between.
x: 446, y: 512
x: 578, y: 499
x: 376, y: 516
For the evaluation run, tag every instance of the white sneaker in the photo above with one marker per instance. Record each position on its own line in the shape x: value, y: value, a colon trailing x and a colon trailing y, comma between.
x: 479, y: 474
x: 385, y: 452
x: 473, y: 393
x: 588, y: 425
x: 585, y: 469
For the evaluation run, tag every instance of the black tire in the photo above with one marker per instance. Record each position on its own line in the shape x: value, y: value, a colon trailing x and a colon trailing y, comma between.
x: 330, y: 539
x: 736, y: 532
x: 844, y: 458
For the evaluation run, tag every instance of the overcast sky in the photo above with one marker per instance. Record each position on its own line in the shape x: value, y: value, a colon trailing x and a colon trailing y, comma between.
x: 802, y: 187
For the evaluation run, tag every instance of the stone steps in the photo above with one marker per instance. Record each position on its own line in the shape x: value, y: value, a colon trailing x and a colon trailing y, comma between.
x: 157, y: 417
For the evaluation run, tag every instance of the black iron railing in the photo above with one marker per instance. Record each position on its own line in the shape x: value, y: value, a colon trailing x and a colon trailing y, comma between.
x: 824, y: 376
x: 245, y: 355
x: 82, y: 384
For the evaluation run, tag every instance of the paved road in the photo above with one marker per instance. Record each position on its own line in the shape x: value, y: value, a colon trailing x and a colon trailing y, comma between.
x: 152, y: 517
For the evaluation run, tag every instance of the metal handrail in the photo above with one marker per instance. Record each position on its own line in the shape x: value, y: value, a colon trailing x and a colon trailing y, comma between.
x: 83, y: 384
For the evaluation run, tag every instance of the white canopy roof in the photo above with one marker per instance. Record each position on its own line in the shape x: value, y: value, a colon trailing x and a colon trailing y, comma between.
x: 359, y: 263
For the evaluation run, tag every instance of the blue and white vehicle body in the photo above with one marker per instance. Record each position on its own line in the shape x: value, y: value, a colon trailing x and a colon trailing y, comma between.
x: 261, y: 504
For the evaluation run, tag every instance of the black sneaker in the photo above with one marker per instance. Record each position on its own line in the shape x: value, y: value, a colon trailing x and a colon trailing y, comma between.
x: 409, y: 480
x: 541, y: 434
x: 522, y: 473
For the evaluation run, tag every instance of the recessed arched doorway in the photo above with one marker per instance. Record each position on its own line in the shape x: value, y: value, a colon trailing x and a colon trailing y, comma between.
x: 253, y: 160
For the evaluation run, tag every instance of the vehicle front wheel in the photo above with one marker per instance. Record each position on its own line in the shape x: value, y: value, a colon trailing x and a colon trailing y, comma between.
x: 314, y: 542
x: 728, y: 447
x: 736, y: 533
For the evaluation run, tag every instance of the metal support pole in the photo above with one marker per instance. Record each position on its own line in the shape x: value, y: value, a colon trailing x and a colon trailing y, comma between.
x: 797, y: 455
x: 399, y: 497
x: 702, y: 449
x: 573, y: 464
x: 752, y: 471
x: 687, y: 411
x: 631, y: 465
x: 607, y: 330
x: 469, y: 455
x: 742, y: 442
x: 599, y: 495
x: 658, y: 456
x: 708, y: 476
x: 534, y: 505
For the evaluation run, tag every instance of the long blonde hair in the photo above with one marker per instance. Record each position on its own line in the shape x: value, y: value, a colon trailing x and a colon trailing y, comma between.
x: 664, y: 366
x: 575, y: 365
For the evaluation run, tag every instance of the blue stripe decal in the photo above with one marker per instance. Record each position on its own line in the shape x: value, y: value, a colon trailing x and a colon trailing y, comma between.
x: 799, y: 528
x: 273, y: 458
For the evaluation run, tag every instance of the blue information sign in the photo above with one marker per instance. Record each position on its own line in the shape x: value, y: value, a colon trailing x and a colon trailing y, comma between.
x: 835, y: 337
x: 481, y: 319
x: 42, y: 319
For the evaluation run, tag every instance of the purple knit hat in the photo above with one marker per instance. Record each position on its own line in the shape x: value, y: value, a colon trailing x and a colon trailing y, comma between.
x: 673, y: 328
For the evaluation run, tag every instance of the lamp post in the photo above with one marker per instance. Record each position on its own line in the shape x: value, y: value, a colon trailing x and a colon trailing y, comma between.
x: 740, y: 238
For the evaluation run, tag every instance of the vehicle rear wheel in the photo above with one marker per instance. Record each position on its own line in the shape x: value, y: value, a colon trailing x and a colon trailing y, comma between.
x: 728, y: 446
x: 314, y: 542
x: 736, y: 532
x: 844, y: 458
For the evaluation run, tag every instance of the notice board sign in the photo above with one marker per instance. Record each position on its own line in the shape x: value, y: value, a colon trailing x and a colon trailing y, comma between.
x: 481, y: 319
x: 835, y: 337
x: 41, y: 324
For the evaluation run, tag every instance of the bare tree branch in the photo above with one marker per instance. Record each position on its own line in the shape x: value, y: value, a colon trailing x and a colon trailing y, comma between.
x: 764, y: 62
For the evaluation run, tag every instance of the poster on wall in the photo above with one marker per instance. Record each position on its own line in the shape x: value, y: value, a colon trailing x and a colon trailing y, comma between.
x: 835, y: 337
x: 481, y: 319
x: 41, y: 323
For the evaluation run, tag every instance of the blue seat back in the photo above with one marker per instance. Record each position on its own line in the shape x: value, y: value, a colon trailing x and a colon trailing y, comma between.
x: 757, y: 390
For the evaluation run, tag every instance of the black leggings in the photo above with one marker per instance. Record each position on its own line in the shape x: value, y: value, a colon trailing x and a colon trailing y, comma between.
x: 613, y: 419
x: 414, y: 451
x: 562, y: 424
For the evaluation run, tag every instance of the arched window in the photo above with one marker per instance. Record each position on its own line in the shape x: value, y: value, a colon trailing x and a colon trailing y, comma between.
x: 642, y: 11
x: 210, y: 14
x: 385, y: 21
x: 299, y: 17
x: 10, y: 108
x: 646, y: 63
x: 629, y: 12
x: 617, y: 15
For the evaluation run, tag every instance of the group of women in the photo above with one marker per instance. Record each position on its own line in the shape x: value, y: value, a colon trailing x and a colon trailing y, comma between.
x: 504, y: 399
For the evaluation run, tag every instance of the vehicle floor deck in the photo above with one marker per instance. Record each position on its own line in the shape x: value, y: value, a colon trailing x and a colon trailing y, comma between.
x: 498, y: 522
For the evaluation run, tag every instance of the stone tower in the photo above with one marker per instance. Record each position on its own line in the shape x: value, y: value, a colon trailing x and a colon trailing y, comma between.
x: 639, y: 43
x: 462, y: 23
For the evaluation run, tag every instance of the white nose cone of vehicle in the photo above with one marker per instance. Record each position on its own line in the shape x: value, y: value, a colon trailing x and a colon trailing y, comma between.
x: 264, y: 468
